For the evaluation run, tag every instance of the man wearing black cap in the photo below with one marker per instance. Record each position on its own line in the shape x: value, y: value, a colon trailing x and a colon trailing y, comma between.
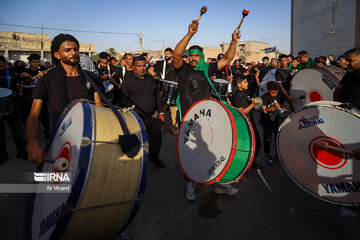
x: 58, y: 87
x: 29, y: 79
x: 224, y: 73
x: 13, y: 118
x: 110, y: 75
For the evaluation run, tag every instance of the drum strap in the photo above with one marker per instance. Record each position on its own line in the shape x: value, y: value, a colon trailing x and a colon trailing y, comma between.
x: 164, y: 70
x: 8, y: 79
x: 129, y: 143
x: 203, y: 67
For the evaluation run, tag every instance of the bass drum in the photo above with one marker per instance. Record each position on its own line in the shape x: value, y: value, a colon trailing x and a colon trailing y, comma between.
x: 215, y: 143
x: 315, y: 84
x: 106, y: 185
x: 329, y: 175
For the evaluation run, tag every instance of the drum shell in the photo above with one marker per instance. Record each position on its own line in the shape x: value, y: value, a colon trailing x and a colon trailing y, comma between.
x: 221, y: 86
x: 108, y: 185
x: 316, y: 170
x: 170, y: 92
x: 6, y: 101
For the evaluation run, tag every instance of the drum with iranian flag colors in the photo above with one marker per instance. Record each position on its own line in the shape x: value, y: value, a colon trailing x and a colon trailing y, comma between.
x: 328, y: 174
x: 106, y: 185
x: 215, y: 143
x: 315, y: 84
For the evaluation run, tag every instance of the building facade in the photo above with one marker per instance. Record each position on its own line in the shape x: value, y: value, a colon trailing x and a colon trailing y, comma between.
x: 325, y: 27
x: 18, y: 45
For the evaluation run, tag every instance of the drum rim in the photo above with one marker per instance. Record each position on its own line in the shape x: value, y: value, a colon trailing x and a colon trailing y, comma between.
x: 288, y: 172
x: 232, y: 153
x: 6, y: 91
x: 32, y: 198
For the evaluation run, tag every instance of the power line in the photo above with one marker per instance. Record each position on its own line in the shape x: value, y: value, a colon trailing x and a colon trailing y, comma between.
x: 67, y: 30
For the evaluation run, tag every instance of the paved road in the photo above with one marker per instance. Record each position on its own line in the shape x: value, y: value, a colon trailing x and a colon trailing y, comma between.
x: 279, y: 211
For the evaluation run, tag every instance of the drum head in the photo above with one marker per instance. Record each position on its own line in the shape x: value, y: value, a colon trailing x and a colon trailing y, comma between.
x: 221, y: 81
x: 5, y: 92
x: 314, y: 84
x: 64, y: 143
x: 208, y: 140
x: 328, y: 175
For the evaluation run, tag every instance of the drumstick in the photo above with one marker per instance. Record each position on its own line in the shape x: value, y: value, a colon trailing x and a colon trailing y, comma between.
x: 244, y: 13
x: 60, y: 164
x: 202, y: 11
x: 276, y: 103
x: 325, y: 146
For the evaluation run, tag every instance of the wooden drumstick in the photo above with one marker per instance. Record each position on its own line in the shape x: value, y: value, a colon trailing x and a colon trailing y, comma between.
x: 60, y: 164
x: 275, y: 103
x: 202, y: 11
x: 325, y: 146
x: 244, y: 13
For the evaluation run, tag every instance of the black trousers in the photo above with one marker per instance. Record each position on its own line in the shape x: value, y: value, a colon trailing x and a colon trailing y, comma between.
x: 14, y: 121
x: 153, y: 130
x: 269, y: 130
x: 257, y: 137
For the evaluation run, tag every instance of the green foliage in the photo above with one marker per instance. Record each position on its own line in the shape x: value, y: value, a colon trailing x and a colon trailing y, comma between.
x: 95, y: 57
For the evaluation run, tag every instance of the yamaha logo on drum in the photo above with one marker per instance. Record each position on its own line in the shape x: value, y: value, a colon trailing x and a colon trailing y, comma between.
x: 52, y: 177
x: 309, y: 122
x: 65, y: 126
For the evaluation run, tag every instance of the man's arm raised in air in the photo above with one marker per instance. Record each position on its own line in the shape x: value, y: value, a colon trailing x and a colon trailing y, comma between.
x: 180, y: 47
x: 230, y: 53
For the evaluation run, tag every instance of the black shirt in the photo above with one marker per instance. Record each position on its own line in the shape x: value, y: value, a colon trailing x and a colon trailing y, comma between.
x: 224, y: 73
x: 142, y: 93
x: 241, y: 100
x: 52, y: 87
x: 270, y: 117
x: 263, y: 70
x: 4, y: 79
x: 284, y: 76
x: 351, y: 88
x: 169, y: 70
x: 238, y: 71
x: 193, y: 85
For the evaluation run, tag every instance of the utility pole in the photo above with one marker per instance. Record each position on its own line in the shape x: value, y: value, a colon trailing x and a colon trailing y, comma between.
x: 141, y: 45
x: 163, y: 48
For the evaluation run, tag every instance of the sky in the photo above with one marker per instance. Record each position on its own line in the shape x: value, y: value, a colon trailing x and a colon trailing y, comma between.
x: 165, y: 20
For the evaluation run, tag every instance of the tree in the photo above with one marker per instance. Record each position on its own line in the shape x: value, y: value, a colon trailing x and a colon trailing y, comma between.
x: 111, y: 51
x: 95, y: 57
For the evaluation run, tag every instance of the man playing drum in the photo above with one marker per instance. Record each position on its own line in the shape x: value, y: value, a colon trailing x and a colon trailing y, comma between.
x: 194, y: 81
x: 164, y: 70
x: 58, y: 87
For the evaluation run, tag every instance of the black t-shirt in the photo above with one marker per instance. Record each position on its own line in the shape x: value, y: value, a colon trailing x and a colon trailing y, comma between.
x: 284, y: 76
x: 263, y: 70
x: 351, y: 88
x: 47, y: 89
x: 105, y: 70
x: 224, y: 73
x: 269, y: 117
x: 193, y: 85
x: 169, y: 70
x: 142, y: 93
x: 241, y: 100
x: 238, y: 71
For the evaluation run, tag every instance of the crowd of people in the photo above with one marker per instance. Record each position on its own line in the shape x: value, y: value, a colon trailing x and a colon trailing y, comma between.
x: 41, y: 93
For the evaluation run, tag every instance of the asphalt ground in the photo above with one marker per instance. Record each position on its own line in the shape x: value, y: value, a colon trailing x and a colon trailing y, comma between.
x: 268, y: 205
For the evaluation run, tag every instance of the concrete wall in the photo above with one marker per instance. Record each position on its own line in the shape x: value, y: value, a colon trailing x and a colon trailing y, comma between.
x: 28, y: 43
x: 312, y: 28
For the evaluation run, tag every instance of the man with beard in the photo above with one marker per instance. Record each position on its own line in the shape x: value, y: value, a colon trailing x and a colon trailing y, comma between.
x: 140, y: 89
x: 194, y: 84
x: 59, y: 87
x: 164, y: 70
x: 341, y: 62
x: 262, y: 70
x: 305, y: 60
x: 238, y: 69
x: 349, y: 88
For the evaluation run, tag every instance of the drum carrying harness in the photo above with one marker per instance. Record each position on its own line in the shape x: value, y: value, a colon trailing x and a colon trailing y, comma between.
x: 202, y: 67
x: 129, y: 143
